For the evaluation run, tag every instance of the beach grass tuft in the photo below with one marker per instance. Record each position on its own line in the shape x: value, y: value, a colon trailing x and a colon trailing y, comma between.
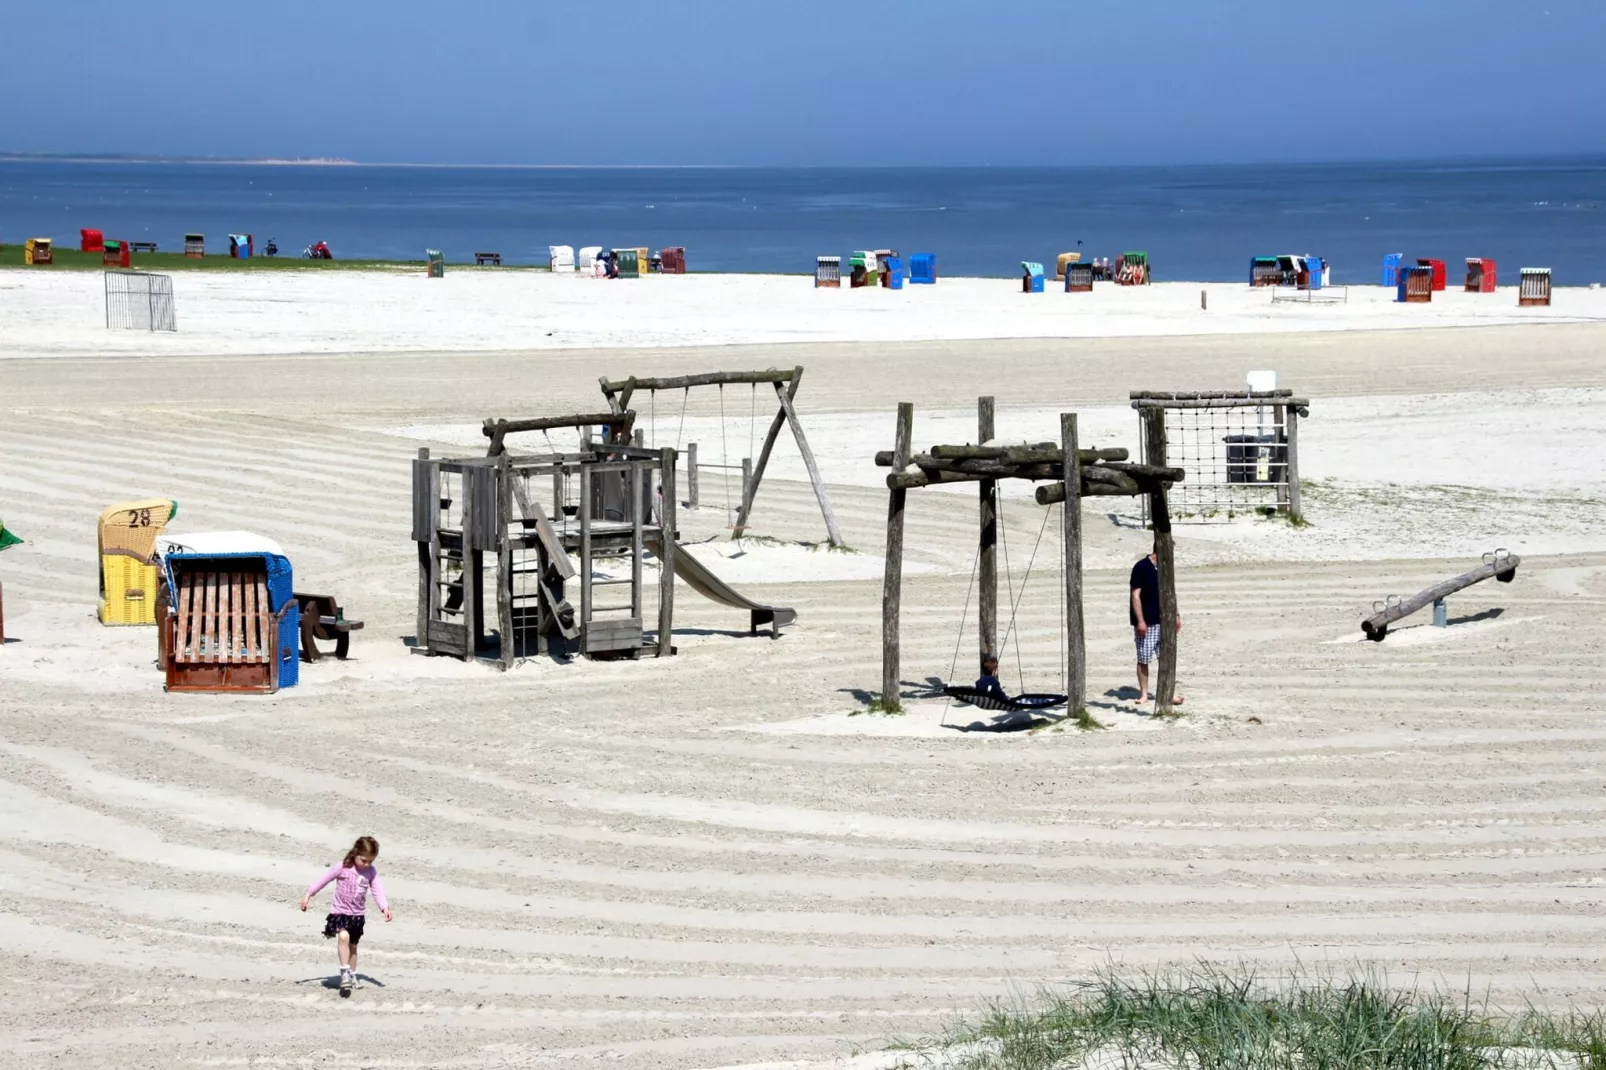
x: 1231, y: 1018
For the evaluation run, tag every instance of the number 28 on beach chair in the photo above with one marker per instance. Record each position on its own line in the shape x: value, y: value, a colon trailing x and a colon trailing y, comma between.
x: 230, y: 622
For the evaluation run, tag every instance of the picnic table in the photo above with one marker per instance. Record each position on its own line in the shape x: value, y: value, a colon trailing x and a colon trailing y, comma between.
x: 142, y: 246
x: 481, y: 259
x: 322, y: 618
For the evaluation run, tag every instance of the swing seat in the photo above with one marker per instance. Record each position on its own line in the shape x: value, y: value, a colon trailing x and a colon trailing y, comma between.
x: 1019, y: 704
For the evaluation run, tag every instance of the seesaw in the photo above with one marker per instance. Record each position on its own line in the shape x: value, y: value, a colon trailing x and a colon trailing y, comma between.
x: 1501, y: 564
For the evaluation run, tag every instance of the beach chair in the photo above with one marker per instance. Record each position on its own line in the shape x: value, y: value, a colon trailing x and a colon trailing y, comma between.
x: 437, y: 263
x: 828, y: 272
x: 228, y: 622
x: 1480, y: 275
x: 1415, y: 285
x: 560, y: 257
x: 673, y: 260
x: 1031, y: 280
x: 1391, y: 269
x: 126, y: 543
x: 923, y: 269
x: 91, y: 241
x: 195, y: 245
x: 37, y: 251
x: 1534, y: 288
x: 1078, y: 278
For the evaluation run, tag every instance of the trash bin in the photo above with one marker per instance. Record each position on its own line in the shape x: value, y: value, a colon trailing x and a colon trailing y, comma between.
x: 1253, y: 459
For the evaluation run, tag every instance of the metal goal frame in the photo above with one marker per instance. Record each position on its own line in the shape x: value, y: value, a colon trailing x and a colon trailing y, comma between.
x: 139, y: 300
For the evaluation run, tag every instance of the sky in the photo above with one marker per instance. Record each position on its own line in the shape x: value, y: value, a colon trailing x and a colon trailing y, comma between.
x: 801, y: 82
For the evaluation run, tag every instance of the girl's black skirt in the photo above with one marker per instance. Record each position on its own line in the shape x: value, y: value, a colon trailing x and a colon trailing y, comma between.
x: 351, y: 923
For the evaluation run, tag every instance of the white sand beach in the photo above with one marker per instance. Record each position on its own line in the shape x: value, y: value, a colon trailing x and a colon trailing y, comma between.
x: 261, y: 312
x: 721, y: 859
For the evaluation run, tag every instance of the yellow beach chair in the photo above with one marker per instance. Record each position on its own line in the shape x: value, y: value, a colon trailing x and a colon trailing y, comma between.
x: 127, y: 543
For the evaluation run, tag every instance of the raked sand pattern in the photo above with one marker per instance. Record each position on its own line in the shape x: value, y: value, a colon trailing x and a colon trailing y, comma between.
x: 718, y: 859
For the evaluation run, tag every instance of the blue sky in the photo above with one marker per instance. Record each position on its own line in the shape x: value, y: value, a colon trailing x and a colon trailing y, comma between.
x: 798, y: 82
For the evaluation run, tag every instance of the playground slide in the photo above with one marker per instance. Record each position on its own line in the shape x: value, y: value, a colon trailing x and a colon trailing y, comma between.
x: 711, y: 587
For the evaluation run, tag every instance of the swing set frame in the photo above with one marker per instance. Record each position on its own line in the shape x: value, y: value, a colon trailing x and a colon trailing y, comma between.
x: 1071, y: 473
x: 619, y: 393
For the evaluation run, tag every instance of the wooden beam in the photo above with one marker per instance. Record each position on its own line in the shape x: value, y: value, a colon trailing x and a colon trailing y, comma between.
x: 680, y: 382
x: 776, y: 423
x: 1040, y: 454
x: 1238, y: 402
x: 892, y: 581
x: 666, y: 562
x: 1071, y: 538
x: 831, y: 529
x: 1165, y: 558
x: 1502, y: 568
x: 504, y: 562
x: 585, y: 554
x: 1207, y: 395
x: 497, y: 429
x: 987, y: 546
x: 1296, y: 508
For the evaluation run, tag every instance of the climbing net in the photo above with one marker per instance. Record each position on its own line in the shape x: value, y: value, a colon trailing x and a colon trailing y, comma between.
x: 1236, y: 458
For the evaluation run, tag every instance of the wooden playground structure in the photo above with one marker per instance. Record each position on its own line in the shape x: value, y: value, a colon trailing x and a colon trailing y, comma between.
x: 1071, y: 473
x: 612, y: 503
x: 1500, y: 564
x: 620, y: 392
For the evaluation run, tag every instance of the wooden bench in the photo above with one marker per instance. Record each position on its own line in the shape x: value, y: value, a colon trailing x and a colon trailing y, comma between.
x: 322, y: 618
x: 481, y: 259
x: 142, y: 246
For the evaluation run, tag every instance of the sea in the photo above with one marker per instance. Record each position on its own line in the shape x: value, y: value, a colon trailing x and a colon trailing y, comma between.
x: 1197, y: 223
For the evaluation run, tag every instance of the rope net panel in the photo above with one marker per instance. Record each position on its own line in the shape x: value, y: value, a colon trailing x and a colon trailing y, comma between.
x: 1236, y: 458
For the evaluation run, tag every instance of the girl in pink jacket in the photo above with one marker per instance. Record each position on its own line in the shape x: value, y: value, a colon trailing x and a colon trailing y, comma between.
x: 353, y: 878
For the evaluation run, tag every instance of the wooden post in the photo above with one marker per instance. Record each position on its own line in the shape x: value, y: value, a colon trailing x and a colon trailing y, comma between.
x: 783, y: 392
x: 1295, y: 510
x: 813, y: 469
x: 557, y: 494
x: 666, y: 558
x: 427, y: 551
x: 639, y: 438
x: 469, y: 559
x: 1071, y: 535
x: 1160, y: 516
x: 987, y: 566
x: 585, y: 553
x: 634, y: 485
x: 747, y: 480
x: 892, y: 582
x: 691, y: 474
x: 161, y: 622
x: 504, y: 560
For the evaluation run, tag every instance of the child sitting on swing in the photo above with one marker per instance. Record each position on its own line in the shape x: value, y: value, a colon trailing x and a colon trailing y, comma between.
x: 988, y: 683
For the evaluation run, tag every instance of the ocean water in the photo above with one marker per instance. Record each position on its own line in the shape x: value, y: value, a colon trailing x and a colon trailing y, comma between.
x: 1199, y: 223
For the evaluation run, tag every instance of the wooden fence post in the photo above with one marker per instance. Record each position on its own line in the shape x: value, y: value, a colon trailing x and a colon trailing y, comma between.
x: 1071, y: 534
x: 1295, y: 509
x: 987, y: 548
x: 1165, y: 559
x: 691, y: 475
x: 892, y: 584
x: 666, y: 561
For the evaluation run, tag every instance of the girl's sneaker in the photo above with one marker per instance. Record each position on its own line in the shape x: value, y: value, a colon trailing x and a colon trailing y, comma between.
x: 345, y: 984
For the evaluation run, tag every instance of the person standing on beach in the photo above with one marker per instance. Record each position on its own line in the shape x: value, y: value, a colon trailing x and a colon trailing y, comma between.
x: 353, y: 879
x: 1144, y: 611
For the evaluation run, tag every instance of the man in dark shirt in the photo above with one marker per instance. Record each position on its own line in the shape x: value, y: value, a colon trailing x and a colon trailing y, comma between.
x: 1144, y: 611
